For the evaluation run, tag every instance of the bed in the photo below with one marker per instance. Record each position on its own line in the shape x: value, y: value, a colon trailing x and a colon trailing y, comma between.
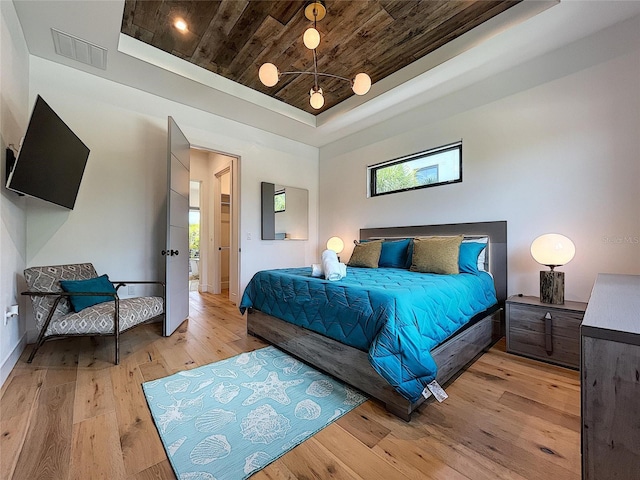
x: 365, y: 365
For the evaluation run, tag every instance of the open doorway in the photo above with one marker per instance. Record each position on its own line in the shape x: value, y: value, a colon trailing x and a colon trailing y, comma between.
x: 218, y: 260
x: 194, y: 236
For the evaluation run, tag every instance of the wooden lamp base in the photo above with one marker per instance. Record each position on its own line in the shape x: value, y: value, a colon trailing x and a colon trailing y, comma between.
x: 552, y: 287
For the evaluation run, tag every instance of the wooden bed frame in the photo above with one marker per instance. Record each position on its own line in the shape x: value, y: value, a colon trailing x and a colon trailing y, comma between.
x: 352, y: 365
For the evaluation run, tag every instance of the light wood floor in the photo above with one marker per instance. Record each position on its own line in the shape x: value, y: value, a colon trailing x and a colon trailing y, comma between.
x: 72, y: 414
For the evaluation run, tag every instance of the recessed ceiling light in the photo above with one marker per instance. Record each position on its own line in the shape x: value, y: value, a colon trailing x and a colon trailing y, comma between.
x: 180, y: 25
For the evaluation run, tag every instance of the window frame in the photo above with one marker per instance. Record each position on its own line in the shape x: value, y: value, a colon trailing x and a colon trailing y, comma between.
x: 373, y: 169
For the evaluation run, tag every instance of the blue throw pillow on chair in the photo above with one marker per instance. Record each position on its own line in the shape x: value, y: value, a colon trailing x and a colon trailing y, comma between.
x: 99, y: 284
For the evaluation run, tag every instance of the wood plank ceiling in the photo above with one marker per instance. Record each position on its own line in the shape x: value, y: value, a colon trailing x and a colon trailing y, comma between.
x: 233, y: 38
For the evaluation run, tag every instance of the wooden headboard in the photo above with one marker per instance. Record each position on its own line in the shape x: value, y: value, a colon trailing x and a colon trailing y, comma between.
x: 496, y: 231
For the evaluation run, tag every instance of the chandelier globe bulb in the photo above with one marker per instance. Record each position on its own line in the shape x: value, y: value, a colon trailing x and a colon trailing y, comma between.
x: 361, y: 84
x: 317, y: 99
x: 268, y: 74
x: 311, y: 38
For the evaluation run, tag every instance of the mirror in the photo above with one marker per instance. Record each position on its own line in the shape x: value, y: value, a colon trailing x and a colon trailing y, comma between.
x: 285, y: 212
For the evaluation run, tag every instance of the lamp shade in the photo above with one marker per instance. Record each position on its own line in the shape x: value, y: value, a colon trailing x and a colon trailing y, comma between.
x: 311, y: 38
x: 317, y: 99
x: 361, y: 84
x: 552, y: 250
x: 336, y: 244
x: 268, y: 74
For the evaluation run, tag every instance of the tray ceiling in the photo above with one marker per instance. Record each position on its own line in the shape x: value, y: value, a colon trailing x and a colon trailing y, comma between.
x: 233, y: 38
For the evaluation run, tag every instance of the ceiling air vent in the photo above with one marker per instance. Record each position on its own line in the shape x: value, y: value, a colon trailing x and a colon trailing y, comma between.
x: 80, y: 50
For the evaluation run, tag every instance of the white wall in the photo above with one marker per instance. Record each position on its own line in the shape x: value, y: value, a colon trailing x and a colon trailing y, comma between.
x: 551, y: 146
x: 293, y: 170
x: 118, y: 222
x: 14, y: 115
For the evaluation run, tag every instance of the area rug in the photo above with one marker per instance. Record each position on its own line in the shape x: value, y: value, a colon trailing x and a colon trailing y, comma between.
x: 229, y: 419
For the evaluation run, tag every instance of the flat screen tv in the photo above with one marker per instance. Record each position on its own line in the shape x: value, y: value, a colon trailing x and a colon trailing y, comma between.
x: 51, y: 160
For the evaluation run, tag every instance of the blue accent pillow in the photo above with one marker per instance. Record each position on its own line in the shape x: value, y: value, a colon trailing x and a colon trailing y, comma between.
x: 409, y: 259
x: 394, y: 253
x: 468, y: 259
x: 99, y: 284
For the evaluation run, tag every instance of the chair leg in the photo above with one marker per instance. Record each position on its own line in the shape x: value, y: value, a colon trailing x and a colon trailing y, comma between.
x: 117, y: 335
x: 33, y: 354
x: 116, y: 325
x: 45, y: 327
x: 35, y: 349
x: 39, y: 342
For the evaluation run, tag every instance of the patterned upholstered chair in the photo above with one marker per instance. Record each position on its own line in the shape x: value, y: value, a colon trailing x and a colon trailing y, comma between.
x: 55, y: 317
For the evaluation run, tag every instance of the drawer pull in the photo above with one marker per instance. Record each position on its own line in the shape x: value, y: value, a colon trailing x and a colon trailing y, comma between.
x: 548, y: 339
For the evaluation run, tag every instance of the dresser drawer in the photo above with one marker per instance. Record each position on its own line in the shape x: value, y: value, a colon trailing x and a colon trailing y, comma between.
x: 564, y: 351
x: 545, y: 332
x: 564, y: 324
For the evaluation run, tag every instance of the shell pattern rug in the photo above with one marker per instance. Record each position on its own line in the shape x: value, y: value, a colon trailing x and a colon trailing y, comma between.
x: 229, y: 419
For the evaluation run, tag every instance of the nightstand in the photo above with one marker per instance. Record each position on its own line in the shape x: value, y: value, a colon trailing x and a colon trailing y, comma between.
x: 544, y: 331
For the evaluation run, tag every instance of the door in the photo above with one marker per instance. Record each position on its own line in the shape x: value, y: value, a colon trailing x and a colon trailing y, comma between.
x: 177, y: 246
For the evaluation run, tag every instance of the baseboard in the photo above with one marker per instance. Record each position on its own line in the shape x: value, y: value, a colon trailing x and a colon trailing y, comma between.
x: 12, y: 359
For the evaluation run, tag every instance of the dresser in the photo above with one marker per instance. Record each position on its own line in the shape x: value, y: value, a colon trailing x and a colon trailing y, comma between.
x: 610, y: 380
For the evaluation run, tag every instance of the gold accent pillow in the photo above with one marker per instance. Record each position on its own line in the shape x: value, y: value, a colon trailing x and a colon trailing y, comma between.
x: 366, y: 254
x: 436, y: 254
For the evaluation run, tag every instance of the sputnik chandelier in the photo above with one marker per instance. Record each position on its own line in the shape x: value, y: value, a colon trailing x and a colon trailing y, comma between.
x: 269, y: 74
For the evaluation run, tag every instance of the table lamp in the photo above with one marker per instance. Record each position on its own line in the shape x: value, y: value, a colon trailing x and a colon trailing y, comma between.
x: 336, y: 244
x: 552, y: 250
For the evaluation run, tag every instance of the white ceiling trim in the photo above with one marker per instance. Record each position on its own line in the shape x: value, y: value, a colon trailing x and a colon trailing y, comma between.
x: 155, y: 56
x: 346, y: 112
x: 414, y: 75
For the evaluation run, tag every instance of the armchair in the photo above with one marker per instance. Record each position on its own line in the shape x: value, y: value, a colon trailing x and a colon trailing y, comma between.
x: 55, y: 317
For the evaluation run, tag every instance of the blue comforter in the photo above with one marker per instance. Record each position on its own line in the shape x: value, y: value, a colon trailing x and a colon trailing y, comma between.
x: 395, y: 315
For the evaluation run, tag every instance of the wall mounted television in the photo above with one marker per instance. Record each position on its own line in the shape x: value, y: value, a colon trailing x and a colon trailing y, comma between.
x: 51, y: 160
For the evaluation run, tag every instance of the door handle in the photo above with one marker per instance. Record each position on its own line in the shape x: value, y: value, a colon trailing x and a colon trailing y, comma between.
x: 164, y: 252
x: 548, y: 335
x: 174, y: 252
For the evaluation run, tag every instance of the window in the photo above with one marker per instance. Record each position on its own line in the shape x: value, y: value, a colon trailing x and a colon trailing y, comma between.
x: 279, y: 201
x: 430, y: 168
